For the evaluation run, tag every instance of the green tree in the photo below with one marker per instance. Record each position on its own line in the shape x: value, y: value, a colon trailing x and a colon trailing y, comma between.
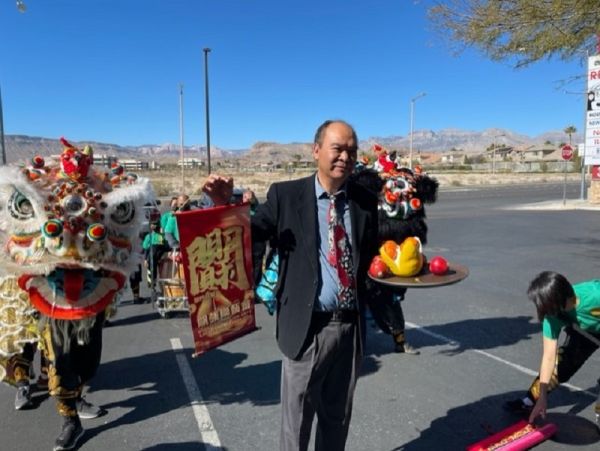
x: 569, y: 131
x: 528, y: 30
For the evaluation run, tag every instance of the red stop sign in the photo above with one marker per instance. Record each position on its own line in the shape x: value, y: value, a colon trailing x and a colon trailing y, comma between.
x: 567, y: 152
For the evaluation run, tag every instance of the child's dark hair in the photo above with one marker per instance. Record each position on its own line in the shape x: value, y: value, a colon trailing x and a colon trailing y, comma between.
x: 550, y: 291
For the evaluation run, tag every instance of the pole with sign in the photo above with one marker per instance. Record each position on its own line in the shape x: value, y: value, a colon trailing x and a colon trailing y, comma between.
x: 592, y: 123
x: 567, y: 154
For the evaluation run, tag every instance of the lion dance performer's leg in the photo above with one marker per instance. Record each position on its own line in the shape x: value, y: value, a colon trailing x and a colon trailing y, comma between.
x: 571, y: 356
x: 20, y: 366
x: 134, y: 282
x: 73, y: 360
x: 387, y: 313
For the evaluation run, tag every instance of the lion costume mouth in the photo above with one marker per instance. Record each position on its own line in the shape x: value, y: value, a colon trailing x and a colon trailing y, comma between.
x: 72, y: 292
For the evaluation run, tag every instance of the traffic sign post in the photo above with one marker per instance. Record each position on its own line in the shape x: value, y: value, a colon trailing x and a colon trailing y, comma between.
x: 567, y: 154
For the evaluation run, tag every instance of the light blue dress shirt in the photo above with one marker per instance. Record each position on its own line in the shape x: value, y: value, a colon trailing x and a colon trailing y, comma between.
x: 329, y: 281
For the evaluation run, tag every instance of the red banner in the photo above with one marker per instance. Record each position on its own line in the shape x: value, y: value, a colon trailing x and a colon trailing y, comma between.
x: 217, y: 259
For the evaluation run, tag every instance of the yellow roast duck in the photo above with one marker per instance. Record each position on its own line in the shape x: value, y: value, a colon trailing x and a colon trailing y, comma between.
x: 405, y: 259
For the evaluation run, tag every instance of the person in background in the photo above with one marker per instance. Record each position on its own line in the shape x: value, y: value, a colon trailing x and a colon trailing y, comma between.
x: 573, y: 309
x: 250, y: 198
x: 164, y: 218
x: 170, y: 230
x: 323, y: 258
x: 154, y: 246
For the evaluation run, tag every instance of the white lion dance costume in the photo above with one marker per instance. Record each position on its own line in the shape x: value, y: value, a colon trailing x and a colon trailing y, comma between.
x: 69, y: 239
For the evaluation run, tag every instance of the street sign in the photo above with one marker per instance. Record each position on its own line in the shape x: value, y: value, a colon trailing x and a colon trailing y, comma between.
x: 567, y: 152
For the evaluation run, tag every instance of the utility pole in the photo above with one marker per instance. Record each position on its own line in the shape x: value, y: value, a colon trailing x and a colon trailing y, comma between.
x: 206, y: 51
x: 2, y: 132
x: 181, y: 151
x: 22, y: 8
x: 412, y: 113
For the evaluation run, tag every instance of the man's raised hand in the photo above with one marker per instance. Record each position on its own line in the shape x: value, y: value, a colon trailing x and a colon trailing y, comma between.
x: 218, y: 188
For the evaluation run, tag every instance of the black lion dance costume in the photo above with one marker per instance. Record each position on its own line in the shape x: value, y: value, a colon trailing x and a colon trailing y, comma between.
x: 69, y: 237
x: 402, y: 194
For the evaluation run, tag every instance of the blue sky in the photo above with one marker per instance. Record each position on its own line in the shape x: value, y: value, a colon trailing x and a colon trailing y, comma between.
x: 108, y: 70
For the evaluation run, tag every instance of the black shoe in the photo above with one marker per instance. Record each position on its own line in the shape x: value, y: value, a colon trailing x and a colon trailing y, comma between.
x: 517, y: 406
x: 70, y: 434
x: 42, y: 382
x: 405, y: 348
x: 87, y: 410
x: 23, y: 397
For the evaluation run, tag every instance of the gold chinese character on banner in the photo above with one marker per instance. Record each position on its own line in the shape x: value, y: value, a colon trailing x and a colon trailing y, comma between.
x: 217, y: 260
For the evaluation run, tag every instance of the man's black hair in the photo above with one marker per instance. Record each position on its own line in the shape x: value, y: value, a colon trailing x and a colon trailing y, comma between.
x: 320, y: 133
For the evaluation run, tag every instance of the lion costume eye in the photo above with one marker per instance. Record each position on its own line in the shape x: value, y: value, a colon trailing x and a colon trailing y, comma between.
x: 123, y: 213
x: 20, y: 207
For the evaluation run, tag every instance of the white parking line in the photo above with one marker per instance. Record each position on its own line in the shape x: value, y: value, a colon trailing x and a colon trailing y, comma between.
x: 516, y: 366
x: 208, y: 433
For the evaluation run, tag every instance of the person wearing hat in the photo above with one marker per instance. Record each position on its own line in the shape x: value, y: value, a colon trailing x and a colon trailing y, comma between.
x: 154, y: 246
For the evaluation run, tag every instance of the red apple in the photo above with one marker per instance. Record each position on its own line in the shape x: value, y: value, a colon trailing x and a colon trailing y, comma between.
x: 438, y: 266
x: 378, y: 268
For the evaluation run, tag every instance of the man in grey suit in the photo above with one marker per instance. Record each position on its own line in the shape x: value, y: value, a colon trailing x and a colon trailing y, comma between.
x: 320, y: 321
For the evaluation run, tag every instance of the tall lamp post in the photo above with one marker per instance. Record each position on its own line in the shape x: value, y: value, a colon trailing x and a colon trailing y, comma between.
x: 412, y: 114
x: 206, y: 51
x: 2, y: 132
x: 22, y: 8
x: 181, y: 137
x: 494, y: 152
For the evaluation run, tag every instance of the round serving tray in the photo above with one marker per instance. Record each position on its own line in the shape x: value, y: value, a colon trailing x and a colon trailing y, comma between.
x: 426, y: 279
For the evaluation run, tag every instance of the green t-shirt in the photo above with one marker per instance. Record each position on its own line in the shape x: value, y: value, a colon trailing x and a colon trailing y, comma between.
x: 586, y: 313
x: 152, y: 239
x: 171, y: 227
x: 164, y: 218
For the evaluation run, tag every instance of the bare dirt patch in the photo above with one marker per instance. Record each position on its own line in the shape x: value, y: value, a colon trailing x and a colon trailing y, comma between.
x: 169, y: 182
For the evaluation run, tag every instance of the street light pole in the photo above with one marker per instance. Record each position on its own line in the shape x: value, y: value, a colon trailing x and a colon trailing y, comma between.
x: 181, y: 151
x: 22, y: 8
x: 206, y: 51
x: 412, y: 113
x: 2, y: 132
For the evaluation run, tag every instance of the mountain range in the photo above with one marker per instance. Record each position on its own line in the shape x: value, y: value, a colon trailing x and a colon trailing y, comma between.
x: 21, y: 147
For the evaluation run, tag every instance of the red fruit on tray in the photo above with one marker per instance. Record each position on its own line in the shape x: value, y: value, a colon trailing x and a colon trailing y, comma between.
x: 438, y: 266
x: 378, y: 268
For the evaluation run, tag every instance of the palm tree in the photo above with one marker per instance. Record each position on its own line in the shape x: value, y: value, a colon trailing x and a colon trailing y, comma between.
x: 569, y: 131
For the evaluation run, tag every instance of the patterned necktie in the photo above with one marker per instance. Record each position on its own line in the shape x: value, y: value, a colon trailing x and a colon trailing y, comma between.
x: 339, y: 255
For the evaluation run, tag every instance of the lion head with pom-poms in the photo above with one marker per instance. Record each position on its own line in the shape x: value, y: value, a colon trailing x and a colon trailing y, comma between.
x: 69, y: 231
x: 402, y: 193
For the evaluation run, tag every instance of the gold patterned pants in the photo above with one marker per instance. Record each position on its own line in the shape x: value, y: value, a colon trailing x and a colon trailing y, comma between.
x: 21, y: 364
